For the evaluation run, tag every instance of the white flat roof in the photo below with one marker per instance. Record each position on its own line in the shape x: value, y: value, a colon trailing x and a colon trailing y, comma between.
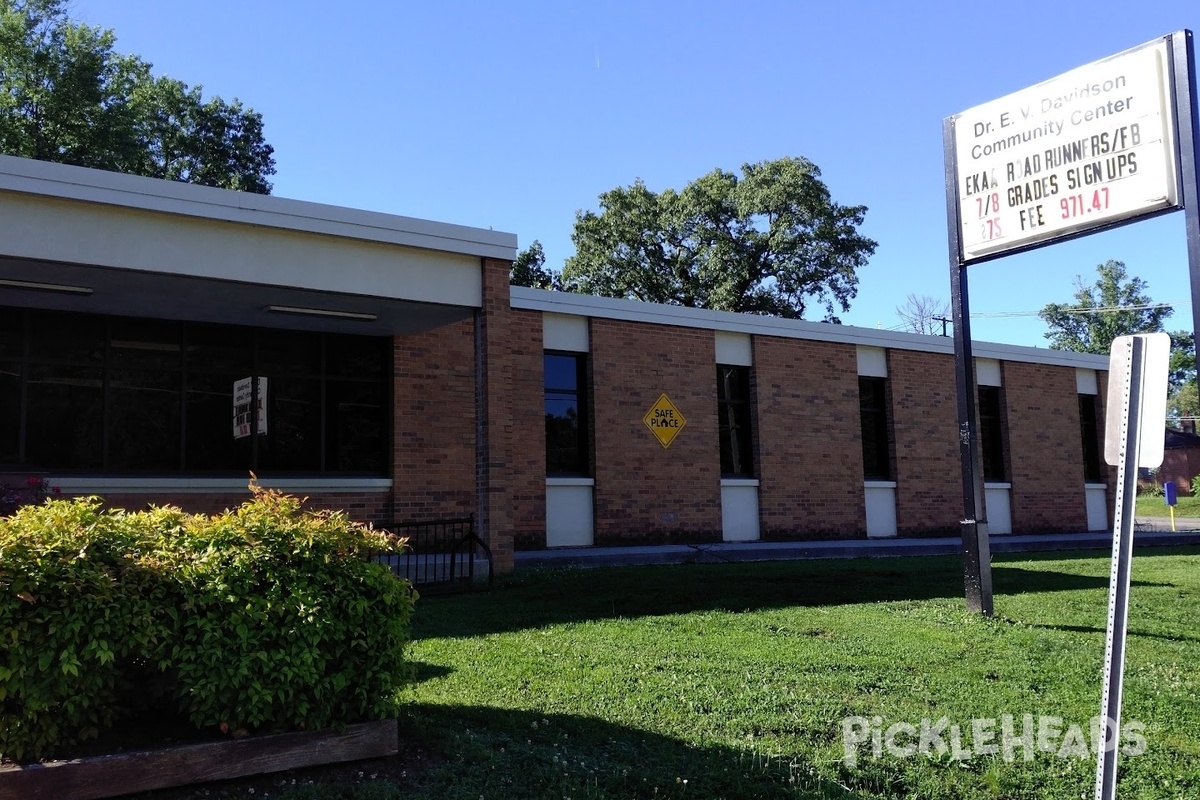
x: 66, y: 182
x: 758, y: 325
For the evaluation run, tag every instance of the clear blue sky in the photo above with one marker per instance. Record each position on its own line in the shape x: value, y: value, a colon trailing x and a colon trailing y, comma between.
x: 515, y: 115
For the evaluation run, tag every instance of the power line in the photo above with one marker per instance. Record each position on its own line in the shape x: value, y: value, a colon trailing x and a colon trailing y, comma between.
x: 1081, y: 310
x: 1069, y: 310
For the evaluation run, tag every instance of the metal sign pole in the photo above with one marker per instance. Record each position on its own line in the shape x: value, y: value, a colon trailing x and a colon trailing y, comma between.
x: 1183, y: 68
x: 1132, y: 439
x: 1122, y: 559
x: 977, y: 563
x: 1136, y: 402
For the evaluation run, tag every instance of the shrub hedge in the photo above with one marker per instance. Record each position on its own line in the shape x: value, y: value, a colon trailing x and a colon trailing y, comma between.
x: 266, y: 617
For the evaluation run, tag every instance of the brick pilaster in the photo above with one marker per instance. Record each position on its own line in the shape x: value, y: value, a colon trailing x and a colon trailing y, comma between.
x: 494, y: 407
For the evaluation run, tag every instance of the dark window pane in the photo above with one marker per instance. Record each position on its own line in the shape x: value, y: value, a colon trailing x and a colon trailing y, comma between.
x: 566, y: 408
x: 733, y: 383
x: 121, y: 393
x: 285, y: 354
x: 734, y: 420
x: 66, y: 338
x: 146, y: 344
x: 991, y: 434
x: 217, y: 356
x: 293, y: 439
x: 561, y: 373
x: 566, y: 415
x: 223, y: 349
x: 12, y: 334
x: 65, y: 414
x: 562, y: 436
x: 143, y: 419
x: 359, y: 357
x: 10, y: 412
x: 1090, y: 435
x: 355, y: 433
x: 872, y: 398
x: 210, y: 442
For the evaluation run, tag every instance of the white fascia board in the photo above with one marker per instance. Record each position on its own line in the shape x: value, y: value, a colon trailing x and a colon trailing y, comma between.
x: 62, y: 181
x: 757, y: 325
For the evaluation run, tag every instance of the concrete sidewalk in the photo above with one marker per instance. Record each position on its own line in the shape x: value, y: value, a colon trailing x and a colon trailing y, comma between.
x: 1148, y: 533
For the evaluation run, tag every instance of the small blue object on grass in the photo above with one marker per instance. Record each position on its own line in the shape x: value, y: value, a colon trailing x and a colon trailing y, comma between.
x: 1170, y: 495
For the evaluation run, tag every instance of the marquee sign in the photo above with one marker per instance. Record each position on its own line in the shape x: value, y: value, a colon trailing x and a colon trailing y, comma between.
x: 1088, y: 149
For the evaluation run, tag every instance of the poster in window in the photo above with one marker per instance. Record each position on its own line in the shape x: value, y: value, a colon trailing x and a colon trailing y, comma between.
x: 243, y: 398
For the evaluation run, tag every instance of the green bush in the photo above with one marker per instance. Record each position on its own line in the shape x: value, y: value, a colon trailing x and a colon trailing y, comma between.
x: 78, y: 595
x: 287, y: 623
x: 265, y: 617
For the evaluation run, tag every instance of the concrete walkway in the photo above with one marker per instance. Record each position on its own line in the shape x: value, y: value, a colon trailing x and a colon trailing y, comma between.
x: 1149, y: 533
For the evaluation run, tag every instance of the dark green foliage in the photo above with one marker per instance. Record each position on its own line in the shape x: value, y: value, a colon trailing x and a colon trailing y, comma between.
x: 1183, y: 402
x: 66, y: 95
x: 1116, y: 305
x: 772, y: 241
x: 78, y: 593
x: 285, y: 623
x: 266, y: 617
x: 530, y: 270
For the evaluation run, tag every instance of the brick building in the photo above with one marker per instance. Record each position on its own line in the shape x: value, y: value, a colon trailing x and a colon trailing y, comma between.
x: 402, y: 379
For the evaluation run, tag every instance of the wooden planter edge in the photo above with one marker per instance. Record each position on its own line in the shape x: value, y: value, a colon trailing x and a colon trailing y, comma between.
x: 125, y: 773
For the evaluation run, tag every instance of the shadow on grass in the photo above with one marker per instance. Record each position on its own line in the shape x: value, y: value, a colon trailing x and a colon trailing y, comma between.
x: 538, y: 598
x: 483, y: 751
x: 1091, y: 630
x: 422, y: 672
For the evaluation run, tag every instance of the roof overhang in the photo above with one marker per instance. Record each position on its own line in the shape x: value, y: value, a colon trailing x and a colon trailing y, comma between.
x: 147, y: 247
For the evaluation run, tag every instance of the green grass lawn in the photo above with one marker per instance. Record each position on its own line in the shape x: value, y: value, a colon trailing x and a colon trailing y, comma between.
x: 733, y: 680
x: 1147, y: 506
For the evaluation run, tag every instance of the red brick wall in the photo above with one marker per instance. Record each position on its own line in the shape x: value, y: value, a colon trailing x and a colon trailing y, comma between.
x: 494, y: 479
x: 809, y: 443
x: 434, y: 438
x: 1041, y: 408
x: 1179, y: 466
x: 529, y: 430
x: 925, y: 429
x: 644, y: 492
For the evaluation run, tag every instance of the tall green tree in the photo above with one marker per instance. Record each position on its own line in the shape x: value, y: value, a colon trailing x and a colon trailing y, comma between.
x: 1183, y: 402
x: 530, y: 269
x: 771, y: 241
x: 1115, y: 305
x: 66, y: 95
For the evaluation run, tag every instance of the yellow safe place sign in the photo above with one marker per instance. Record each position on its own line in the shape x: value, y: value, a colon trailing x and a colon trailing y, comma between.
x: 664, y: 420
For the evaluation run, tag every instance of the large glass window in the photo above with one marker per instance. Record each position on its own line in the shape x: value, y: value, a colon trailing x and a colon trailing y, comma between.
x: 12, y: 344
x: 214, y: 353
x: 566, y: 414
x: 991, y: 434
x: 87, y: 392
x: 1090, y: 435
x: 733, y: 421
x: 872, y: 405
x: 145, y: 366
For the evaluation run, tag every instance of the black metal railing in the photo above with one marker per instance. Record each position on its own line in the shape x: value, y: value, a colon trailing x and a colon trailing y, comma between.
x: 439, y: 553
